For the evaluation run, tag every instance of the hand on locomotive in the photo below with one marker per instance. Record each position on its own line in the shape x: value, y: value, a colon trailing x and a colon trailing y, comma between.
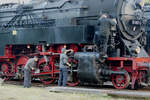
x: 29, y: 67
x: 110, y: 33
x: 63, y: 67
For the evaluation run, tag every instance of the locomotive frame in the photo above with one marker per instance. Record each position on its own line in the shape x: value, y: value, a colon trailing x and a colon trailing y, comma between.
x: 23, y: 36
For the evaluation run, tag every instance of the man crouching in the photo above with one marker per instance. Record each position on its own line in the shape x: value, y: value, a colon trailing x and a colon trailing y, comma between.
x: 30, y: 65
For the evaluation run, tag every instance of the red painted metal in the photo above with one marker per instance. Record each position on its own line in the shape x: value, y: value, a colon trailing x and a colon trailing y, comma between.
x: 120, y: 81
x: 22, y: 60
x: 54, y: 72
x: 51, y: 71
x: 46, y: 73
x: 134, y: 78
x: 45, y: 53
x: 135, y: 68
x: 8, y: 53
x: 146, y: 59
x: 39, y: 48
x: 74, y: 47
x: 75, y: 80
x: 59, y: 48
x: 55, y: 65
x: 47, y: 81
x: 73, y: 84
x: 51, y: 49
x: 48, y: 70
x: 49, y: 54
x: 7, y: 69
x: 45, y: 69
x: 141, y: 77
x: 7, y: 57
x: 41, y: 61
x: 4, y: 68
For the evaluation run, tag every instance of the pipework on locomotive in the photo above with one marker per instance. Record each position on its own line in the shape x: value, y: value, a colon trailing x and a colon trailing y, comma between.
x: 108, y: 39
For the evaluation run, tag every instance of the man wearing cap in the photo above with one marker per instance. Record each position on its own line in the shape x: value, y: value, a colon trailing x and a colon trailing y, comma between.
x: 63, y: 68
x: 30, y: 65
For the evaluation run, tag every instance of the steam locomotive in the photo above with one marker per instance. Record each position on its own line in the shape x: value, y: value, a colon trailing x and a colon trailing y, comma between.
x: 147, y: 12
x: 43, y: 27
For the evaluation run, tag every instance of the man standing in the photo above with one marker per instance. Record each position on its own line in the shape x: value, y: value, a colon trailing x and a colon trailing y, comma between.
x: 63, y: 68
x: 30, y: 65
x: 106, y: 24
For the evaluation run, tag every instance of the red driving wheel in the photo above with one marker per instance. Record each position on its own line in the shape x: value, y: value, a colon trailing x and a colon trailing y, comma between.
x: 46, y: 81
x: 73, y: 84
x: 47, y: 78
x: 5, y: 68
x: 72, y: 74
x: 121, y: 81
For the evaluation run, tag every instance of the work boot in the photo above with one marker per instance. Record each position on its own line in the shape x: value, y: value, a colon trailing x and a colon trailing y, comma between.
x: 27, y: 86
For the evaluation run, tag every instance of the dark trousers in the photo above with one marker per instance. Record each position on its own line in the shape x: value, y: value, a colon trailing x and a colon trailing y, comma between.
x: 63, y: 77
x: 27, y: 78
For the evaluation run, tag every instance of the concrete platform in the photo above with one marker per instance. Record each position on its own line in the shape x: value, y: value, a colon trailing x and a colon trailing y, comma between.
x: 110, y: 92
x: 132, y: 94
x: 77, y: 90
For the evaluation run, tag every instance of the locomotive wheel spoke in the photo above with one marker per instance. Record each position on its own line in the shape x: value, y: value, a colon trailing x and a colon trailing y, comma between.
x: 44, y: 68
x: 74, y: 80
x: 72, y: 75
x: 73, y: 83
x: 45, y: 80
x: 121, y: 81
x: 6, y: 68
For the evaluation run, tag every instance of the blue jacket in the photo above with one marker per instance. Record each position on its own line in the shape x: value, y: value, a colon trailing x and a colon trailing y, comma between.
x: 30, y: 64
x: 63, y: 61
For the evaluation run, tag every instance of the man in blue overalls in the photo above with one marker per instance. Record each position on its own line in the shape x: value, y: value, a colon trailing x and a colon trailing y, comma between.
x: 30, y: 65
x: 63, y: 68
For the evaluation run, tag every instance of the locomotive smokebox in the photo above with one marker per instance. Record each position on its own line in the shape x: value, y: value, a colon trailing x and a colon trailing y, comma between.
x: 86, y: 68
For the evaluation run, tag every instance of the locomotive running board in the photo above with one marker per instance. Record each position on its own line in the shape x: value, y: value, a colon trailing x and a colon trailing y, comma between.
x: 136, y: 44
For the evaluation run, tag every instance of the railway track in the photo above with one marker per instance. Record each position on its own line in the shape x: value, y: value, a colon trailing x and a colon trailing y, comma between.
x: 94, y: 89
x: 106, y: 86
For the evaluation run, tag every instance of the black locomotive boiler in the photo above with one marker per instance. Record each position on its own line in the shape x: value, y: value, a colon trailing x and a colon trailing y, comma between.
x: 147, y: 13
x: 107, y: 38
